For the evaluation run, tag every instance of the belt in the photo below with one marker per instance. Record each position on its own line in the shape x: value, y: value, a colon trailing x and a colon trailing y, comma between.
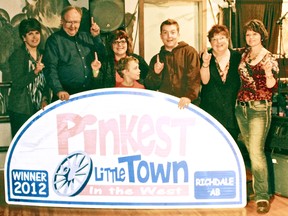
x: 251, y: 103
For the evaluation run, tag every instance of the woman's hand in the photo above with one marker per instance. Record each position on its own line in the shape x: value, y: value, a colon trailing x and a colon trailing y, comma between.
x: 206, y: 57
x: 205, y: 70
x: 267, y: 67
x: 39, y: 66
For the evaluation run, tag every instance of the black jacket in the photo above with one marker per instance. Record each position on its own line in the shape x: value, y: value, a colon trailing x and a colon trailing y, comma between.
x: 68, y: 60
x: 19, y: 98
x: 218, y: 98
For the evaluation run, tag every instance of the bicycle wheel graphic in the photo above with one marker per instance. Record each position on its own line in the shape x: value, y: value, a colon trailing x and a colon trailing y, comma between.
x: 72, y: 174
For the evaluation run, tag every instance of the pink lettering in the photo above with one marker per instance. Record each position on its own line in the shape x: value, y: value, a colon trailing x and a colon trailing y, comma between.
x: 69, y: 125
x: 106, y: 129
x: 128, y: 134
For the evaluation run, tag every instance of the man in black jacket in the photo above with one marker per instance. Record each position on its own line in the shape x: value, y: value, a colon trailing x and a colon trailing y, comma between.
x: 69, y: 54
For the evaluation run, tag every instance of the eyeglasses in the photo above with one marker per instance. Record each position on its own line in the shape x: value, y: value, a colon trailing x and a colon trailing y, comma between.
x: 218, y: 39
x: 70, y: 23
x: 121, y: 42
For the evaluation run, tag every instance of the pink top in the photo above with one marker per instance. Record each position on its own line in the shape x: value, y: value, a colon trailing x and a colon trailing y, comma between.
x: 119, y: 79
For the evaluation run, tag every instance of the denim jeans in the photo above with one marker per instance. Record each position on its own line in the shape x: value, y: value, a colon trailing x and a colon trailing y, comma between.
x: 254, y: 122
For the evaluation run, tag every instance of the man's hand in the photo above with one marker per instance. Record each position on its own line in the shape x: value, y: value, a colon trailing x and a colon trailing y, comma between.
x: 184, y: 102
x: 94, y: 29
x: 158, y: 66
x: 63, y: 95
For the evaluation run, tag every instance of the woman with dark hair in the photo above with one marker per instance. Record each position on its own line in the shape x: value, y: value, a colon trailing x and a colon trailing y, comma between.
x: 120, y: 46
x: 258, y: 72
x: 29, y: 91
x: 220, y: 79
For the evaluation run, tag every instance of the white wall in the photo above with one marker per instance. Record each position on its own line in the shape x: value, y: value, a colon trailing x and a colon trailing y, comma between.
x: 185, y: 13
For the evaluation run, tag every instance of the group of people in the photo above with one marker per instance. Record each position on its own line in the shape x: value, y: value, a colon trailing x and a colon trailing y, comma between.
x: 235, y: 86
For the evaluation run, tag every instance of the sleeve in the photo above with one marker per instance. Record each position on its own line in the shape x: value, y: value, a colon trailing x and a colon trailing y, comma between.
x: 18, y: 64
x: 100, y: 48
x: 275, y: 66
x: 50, y: 60
x: 106, y: 76
x: 193, y: 75
x: 275, y: 70
x: 46, y: 91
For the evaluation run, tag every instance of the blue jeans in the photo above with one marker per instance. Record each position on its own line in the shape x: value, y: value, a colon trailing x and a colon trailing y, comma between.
x: 254, y: 121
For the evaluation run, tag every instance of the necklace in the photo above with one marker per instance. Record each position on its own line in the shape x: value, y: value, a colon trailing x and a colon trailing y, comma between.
x: 250, y: 58
x: 221, y: 60
x: 222, y: 73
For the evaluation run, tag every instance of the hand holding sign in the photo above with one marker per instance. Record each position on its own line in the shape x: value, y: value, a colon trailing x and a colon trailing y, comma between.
x: 184, y: 102
x: 158, y: 66
x: 95, y: 65
x: 63, y: 95
x: 94, y: 29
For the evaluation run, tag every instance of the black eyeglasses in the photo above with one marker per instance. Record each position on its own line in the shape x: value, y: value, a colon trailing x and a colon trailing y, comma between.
x: 121, y: 42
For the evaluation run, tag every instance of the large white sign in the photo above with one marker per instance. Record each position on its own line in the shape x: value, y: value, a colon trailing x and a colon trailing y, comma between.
x: 124, y: 148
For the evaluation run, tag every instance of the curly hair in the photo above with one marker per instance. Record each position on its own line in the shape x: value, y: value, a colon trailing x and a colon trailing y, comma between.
x: 218, y: 29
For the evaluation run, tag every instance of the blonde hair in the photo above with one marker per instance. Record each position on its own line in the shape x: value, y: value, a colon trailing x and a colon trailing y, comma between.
x: 123, y: 64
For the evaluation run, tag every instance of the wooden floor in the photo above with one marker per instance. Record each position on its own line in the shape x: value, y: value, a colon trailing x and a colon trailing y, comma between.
x: 279, y: 207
